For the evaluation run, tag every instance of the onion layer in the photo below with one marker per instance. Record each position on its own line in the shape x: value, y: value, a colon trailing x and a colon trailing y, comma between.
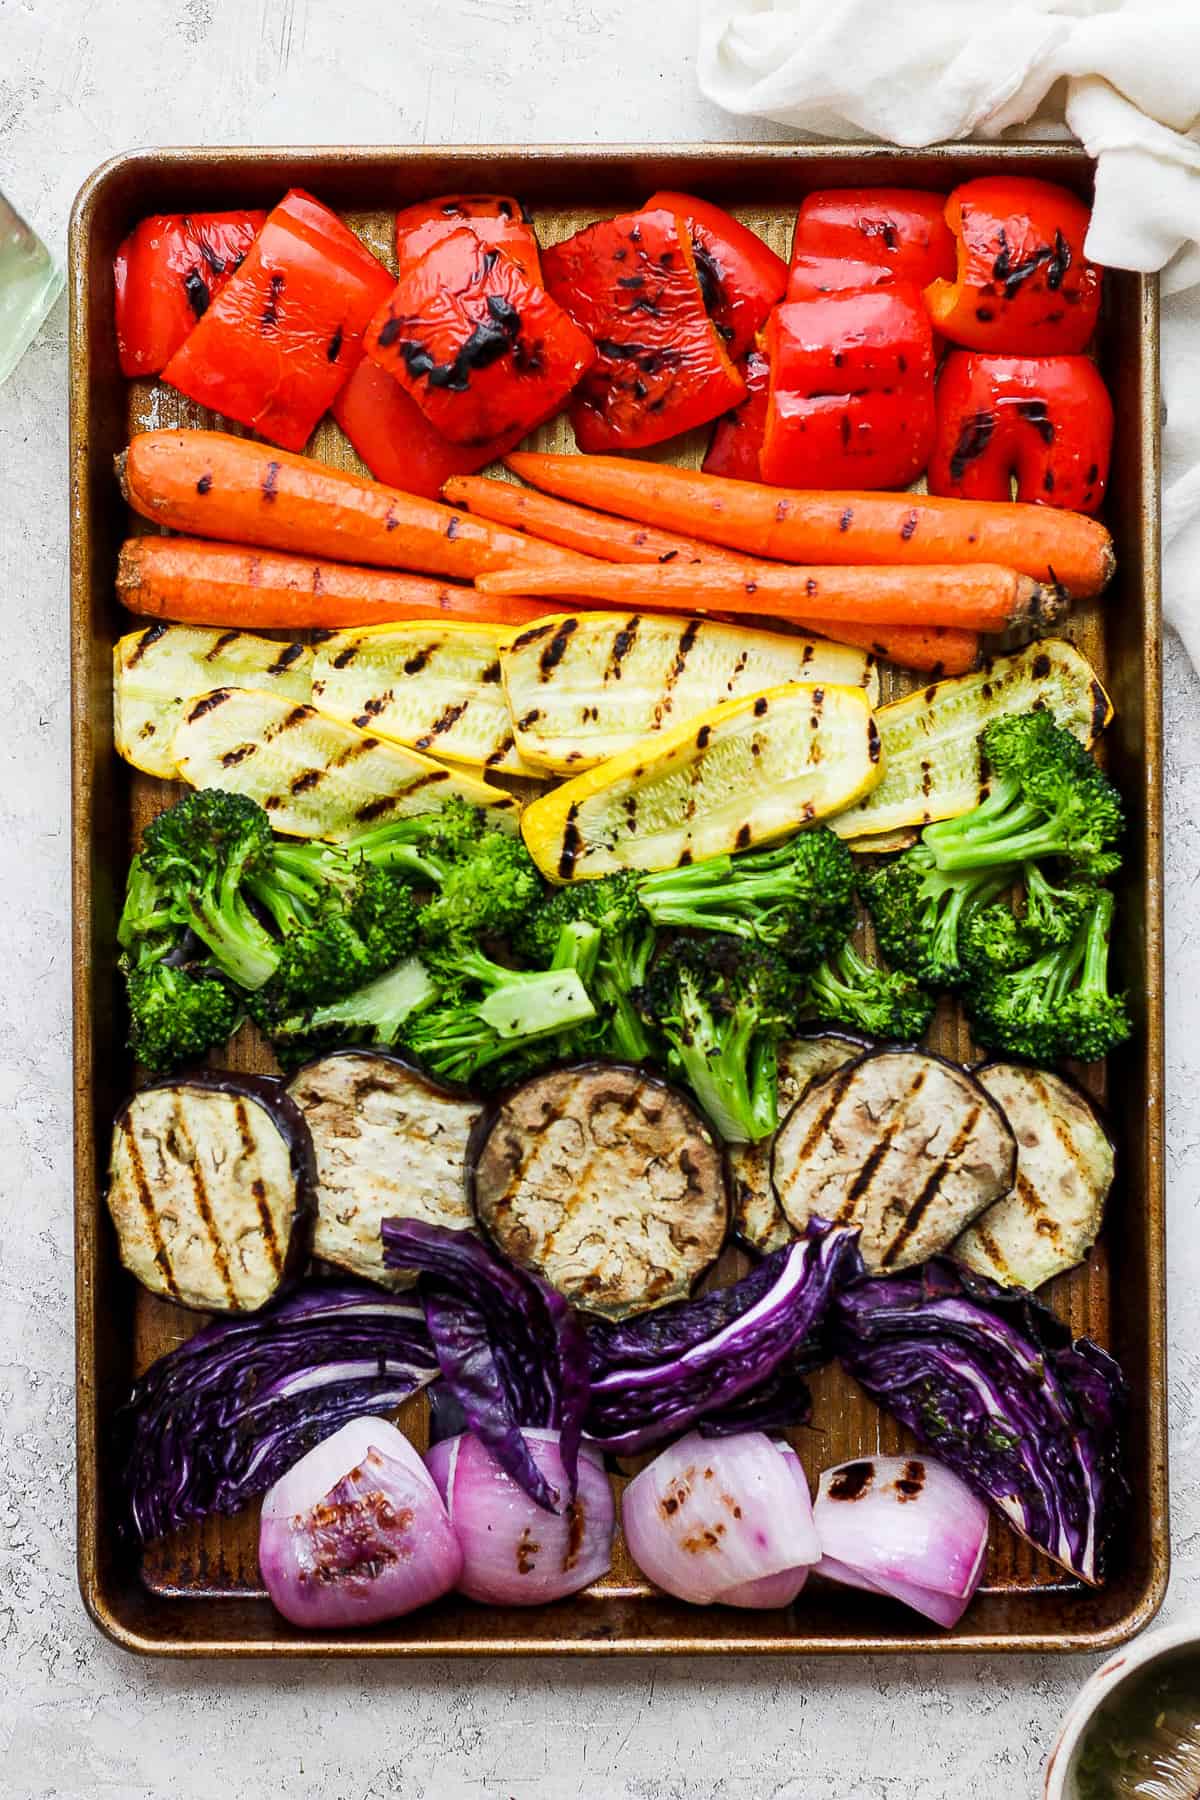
x: 514, y: 1552
x: 906, y: 1527
x: 356, y: 1532
x: 723, y: 1519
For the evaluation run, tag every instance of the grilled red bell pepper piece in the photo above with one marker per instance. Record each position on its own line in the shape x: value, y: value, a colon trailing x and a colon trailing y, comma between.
x: 499, y: 219
x: 483, y: 350
x: 850, y: 402
x: 741, y: 278
x: 1047, y: 420
x: 866, y: 237
x: 284, y: 333
x: 736, y: 443
x: 166, y: 275
x: 396, y: 440
x: 1024, y: 286
x: 662, y: 367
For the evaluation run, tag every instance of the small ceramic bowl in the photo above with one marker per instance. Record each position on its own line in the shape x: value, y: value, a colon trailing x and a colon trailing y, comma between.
x: 1155, y: 1647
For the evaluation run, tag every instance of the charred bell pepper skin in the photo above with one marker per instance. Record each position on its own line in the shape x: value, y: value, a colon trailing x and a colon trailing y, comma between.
x: 499, y: 219
x: 741, y: 278
x: 167, y: 274
x: 482, y: 350
x: 1023, y: 285
x: 735, y: 448
x: 396, y: 441
x: 869, y: 237
x: 283, y: 335
x: 850, y: 400
x: 661, y: 366
x: 1045, y: 420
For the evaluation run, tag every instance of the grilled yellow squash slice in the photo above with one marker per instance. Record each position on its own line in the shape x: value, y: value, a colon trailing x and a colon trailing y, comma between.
x: 584, y: 686
x: 743, y: 773
x: 157, y: 670
x: 434, y: 686
x: 317, y: 777
x: 930, y: 739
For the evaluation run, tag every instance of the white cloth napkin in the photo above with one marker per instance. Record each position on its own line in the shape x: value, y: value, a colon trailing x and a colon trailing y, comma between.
x: 1122, y: 75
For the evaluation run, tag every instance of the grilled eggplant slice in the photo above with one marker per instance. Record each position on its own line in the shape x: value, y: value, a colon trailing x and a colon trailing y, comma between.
x: 900, y: 1143
x: 1051, y: 1217
x: 317, y: 777
x: 746, y: 772
x: 606, y: 1182
x: 158, y: 669
x: 430, y: 684
x: 390, y: 1143
x: 930, y: 739
x: 212, y: 1189
x: 758, y: 1219
x: 583, y: 686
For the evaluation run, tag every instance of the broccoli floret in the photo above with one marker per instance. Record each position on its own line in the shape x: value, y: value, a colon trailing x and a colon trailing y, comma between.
x: 175, y: 1015
x: 203, y: 851
x: 1053, y: 914
x: 799, y: 898
x: 147, y: 918
x: 994, y: 940
x: 490, y: 891
x: 376, y: 1013
x: 426, y: 845
x: 1047, y: 798
x: 920, y: 913
x: 1059, y: 1005
x: 722, y: 1004
x: 626, y: 944
x: 848, y: 990
x: 494, y: 1021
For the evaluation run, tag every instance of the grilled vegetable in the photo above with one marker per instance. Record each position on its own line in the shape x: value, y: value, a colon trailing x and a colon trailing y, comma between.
x: 482, y: 349
x: 576, y: 527
x: 282, y: 335
x: 498, y: 220
x: 847, y: 989
x: 434, y: 686
x: 930, y: 739
x: 1050, y: 1219
x: 1058, y: 1006
x: 156, y: 672
x: 1023, y: 284
x: 230, y: 488
x: 315, y: 776
x: 585, y: 686
x: 198, y: 583
x: 744, y: 773
x: 757, y: 1218
x: 741, y: 278
x: 211, y: 1189
x: 389, y: 1143
x: 900, y: 1143
x: 166, y: 275
x: 850, y: 398
x: 799, y: 527
x: 632, y: 284
x: 1044, y: 421
x: 981, y: 598
x: 736, y: 443
x: 397, y: 442
x: 605, y: 1182
x: 865, y: 237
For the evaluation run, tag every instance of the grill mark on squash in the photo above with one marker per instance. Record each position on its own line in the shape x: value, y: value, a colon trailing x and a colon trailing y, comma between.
x: 448, y: 718
x: 150, y: 636
x: 149, y: 1211
x: 623, y: 641
x: 925, y: 1198
x: 222, y: 643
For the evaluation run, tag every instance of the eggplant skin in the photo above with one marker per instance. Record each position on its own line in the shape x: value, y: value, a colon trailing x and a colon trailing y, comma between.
x: 759, y: 1221
x: 390, y: 1142
x: 212, y: 1190
x: 902, y: 1143
x: 1051, y: 1216
x: 606, y: 1182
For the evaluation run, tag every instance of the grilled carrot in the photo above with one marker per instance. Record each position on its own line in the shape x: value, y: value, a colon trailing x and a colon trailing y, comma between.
x: 930, y: 649
x: 974, y: 598
x: 213, y: 485
x: 801, y: 527
x: 195, y: 583
x: 577, y: 527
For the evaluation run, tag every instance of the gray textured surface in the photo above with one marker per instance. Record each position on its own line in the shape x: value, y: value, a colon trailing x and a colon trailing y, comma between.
x: 80, y: 79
